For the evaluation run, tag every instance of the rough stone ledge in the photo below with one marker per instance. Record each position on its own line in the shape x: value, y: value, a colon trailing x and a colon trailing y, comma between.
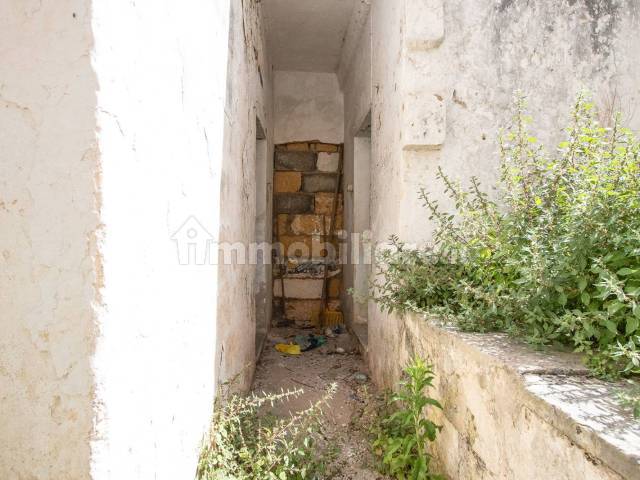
x: 561, y: 392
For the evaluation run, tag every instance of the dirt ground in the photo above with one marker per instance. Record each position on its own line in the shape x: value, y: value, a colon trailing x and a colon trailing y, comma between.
x: 313, y: 371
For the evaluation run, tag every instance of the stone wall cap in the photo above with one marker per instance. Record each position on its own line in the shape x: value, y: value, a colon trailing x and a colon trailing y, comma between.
x: 564, y: 394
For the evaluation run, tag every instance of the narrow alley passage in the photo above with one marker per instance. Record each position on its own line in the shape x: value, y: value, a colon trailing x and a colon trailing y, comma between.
x: 313, y: 371
x: 189, y: 190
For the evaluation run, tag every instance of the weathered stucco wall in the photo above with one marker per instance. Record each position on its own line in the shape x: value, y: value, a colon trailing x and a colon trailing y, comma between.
x: 426, y: 114
x: 466, y: 59
x: 442, y: 79
x: 162, y: 72
x: 511, y: 412
x: 48, y: 222
x: 249, y: 95
x: 307, y: 106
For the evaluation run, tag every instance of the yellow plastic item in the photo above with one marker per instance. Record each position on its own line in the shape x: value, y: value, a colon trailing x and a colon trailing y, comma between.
x: 288, y: 348
x: 331, y: 318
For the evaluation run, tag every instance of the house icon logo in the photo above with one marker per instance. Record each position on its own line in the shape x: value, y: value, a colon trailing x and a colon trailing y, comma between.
x: 193, y: 242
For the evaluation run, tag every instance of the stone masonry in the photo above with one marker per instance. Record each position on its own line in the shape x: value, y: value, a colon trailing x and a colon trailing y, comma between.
x: 304, y: 183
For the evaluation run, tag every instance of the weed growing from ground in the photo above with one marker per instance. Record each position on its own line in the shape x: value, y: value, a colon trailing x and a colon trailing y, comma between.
x: 245, y: 443
x: 402, y: 437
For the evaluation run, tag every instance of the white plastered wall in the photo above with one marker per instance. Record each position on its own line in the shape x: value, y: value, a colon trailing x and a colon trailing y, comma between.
x: 162, y: 72
x: 249, y: 94
x: 463, y: 61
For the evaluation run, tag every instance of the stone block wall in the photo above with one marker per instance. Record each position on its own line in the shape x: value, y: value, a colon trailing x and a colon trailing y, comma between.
x: 304, y: 184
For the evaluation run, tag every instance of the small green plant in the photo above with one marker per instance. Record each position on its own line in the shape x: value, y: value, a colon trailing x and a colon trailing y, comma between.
x: 403, y: 436
x: 555, y: 260
x: 246, y: 443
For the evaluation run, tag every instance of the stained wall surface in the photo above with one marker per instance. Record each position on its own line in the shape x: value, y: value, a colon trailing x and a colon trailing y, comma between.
x: 513, y: 412
x: 356, y: 83
x: 462, y: 62
x: 49, y: 219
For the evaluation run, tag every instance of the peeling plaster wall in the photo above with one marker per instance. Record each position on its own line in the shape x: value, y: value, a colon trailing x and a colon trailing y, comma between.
x: 249, y: 93
x: 48, y: 222
x: 307, y: 106
x: 162, y: 72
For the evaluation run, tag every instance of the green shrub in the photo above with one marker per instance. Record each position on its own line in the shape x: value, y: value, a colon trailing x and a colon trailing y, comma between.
x: 557, y: 262
x: 245, y: 443
x: 403, y: 436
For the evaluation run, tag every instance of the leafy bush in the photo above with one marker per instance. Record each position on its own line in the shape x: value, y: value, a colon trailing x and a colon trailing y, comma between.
x: 557, y: 262
x: 403, y: 436
x: 246, y: 444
